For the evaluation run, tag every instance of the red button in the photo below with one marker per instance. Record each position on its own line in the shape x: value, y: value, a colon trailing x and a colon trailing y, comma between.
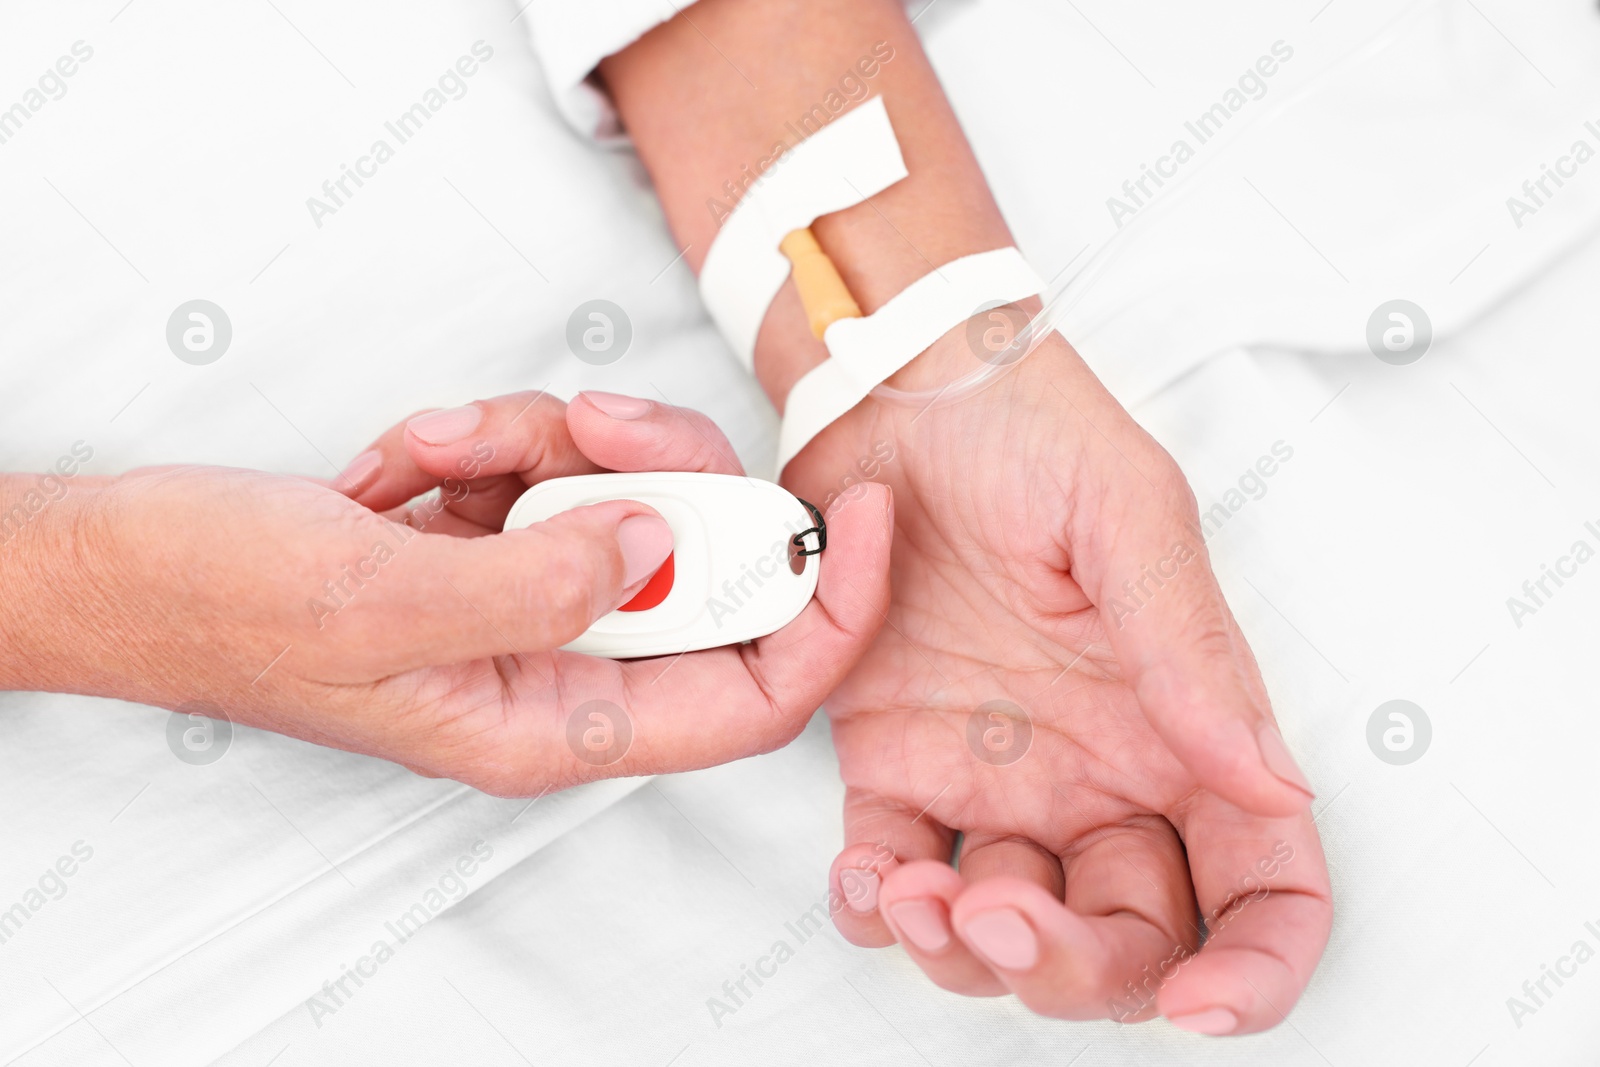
x: 654, y: 591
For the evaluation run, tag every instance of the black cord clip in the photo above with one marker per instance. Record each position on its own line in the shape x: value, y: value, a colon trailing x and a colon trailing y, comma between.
x: 820, y: 529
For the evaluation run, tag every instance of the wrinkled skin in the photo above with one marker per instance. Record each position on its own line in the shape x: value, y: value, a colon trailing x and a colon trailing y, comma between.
x: 197, y: 588
x: 1144, y: 797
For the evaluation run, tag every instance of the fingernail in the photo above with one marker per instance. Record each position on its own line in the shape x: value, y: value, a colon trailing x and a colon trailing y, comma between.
x: 921, y: 922
x: 860, y: 885
x: 646, y: 541
x: 1004, y: 937
x: 362, y: 472
x: 1275, y: 754
x: 616, y: 405
x: 1212, y: 1021
x: 446, y: 427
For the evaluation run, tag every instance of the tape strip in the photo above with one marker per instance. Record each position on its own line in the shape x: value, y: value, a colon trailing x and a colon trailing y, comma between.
x: 852, y: 158
x: 866, y: 351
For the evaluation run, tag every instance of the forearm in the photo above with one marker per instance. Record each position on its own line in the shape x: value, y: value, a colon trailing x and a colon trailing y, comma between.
x: 44, y: 625
x: 701, y: 119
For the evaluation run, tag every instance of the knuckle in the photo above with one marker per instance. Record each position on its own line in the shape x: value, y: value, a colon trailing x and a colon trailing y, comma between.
x: 1204, y: 629
x: 784, y: 727
x: 1214, y: 640
x: 701, y: 445
x: 562, y: 600
x: 1175, y: 489
x: 563, y: 594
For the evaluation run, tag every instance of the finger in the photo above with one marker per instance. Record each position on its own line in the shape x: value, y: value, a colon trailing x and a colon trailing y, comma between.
x: 435, y: 599
x: 701, y: 709
x: 917, y: 900
x: 919, y: 906
x: 1127, y: 905
x: 481, y: 455
x: 1145, y: 566
x: 598, y: 431
x: 1262, y: 886
x: 626, y: 433
x: 382, y: 476
x: 430, y: 514
x: 990, y: 855
x: 878, y: 827
x: 754, y: 698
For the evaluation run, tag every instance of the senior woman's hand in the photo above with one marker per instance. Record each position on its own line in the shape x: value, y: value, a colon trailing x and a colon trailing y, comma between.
x: 395, y: 630
x: 1107, y: 750
x: 1061, y: 681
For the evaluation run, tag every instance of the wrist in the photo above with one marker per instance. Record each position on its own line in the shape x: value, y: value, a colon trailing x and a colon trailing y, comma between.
x: 933, y: 417
x: 974, y: 353
x: 48, y: 631
x: 942, y: 337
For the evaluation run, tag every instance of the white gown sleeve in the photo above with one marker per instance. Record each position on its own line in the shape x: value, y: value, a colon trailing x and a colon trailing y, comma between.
x: 571, y: 37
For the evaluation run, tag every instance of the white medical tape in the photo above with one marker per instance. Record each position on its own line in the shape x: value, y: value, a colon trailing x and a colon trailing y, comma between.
x: 852, y: 158
x: 864, y: 352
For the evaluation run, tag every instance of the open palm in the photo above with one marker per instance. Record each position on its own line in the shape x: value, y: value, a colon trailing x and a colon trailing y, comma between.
x: 1106, y: 750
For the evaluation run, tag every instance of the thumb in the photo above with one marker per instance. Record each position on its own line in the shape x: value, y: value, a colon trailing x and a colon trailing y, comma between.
x: 1184, y: 655
x: 528, y: 590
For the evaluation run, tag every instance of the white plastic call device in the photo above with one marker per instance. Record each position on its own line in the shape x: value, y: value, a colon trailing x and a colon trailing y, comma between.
x: 741, y: 566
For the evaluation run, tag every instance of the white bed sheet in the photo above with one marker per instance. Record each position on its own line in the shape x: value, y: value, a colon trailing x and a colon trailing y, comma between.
x: 1456, y: 878
x: 177, y: 166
